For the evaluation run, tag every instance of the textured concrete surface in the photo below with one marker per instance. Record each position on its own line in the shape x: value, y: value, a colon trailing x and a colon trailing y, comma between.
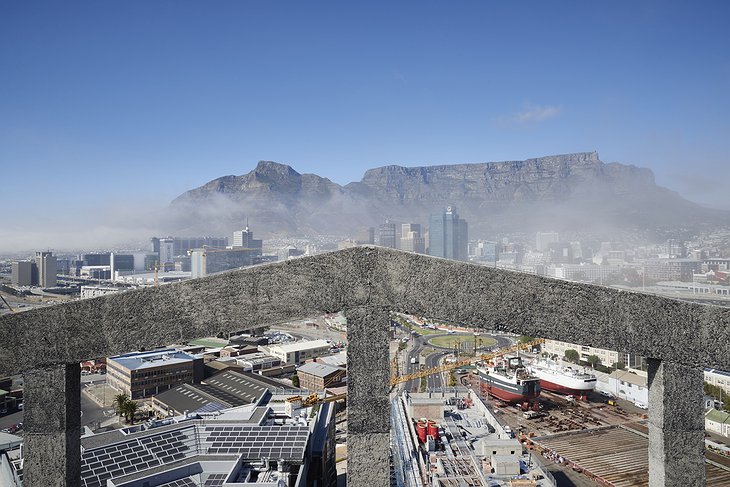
x: 52, y: 423
x: 676, y: 425
x: 367, y: 276
x: 368, y: 407
x: 367, y: 281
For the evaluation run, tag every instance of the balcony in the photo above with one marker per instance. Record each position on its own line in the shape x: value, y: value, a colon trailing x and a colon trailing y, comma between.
x: 366, y: 282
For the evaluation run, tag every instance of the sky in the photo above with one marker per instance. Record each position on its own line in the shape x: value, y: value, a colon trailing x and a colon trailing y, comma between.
x: 109, y: 110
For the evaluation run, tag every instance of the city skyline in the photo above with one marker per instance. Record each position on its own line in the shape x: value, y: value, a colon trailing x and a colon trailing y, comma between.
x: 113, y: 110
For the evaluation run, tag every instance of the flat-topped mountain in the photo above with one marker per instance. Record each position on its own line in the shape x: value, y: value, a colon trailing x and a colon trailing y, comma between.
x: 571, y: 192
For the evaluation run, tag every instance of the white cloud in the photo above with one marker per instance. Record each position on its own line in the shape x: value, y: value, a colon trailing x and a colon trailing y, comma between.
x: 531, y: 114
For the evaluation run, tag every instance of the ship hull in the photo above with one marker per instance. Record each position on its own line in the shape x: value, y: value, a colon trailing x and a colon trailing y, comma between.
x: 555, y: 381
x: 563, y: 389
x: 508, y: 392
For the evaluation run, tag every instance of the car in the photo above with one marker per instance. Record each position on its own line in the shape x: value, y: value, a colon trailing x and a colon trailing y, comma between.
x: 640, y: 405
x: 606, y: 394
x: 20, y: 406
x: 461, y: 371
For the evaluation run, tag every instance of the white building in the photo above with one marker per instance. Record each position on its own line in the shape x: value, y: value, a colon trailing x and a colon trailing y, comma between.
x: 608, y: 357
x: 719, y: 378
x: 95, y: 291
x: 629, y: 386
x: 718, y: 422
x: 298, y: 352
x: 167, y: 254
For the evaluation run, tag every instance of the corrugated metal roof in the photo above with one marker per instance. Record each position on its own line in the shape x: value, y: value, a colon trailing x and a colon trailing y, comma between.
x: 318, y: 370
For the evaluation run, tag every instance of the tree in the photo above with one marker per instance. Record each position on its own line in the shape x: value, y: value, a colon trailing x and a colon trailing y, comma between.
x: 594, y: 360
x: 294, y: 380
x: 119, y: 401
x: 572, y: 355
x: 526, y: 339
x: 618, y: 365
x: 130, y: 409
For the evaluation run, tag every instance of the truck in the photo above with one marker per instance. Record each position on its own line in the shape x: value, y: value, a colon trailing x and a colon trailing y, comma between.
x: 414, y: 360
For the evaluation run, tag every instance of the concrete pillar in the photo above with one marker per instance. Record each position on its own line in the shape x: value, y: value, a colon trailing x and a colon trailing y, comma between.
x: 52, y: 423
x: 676, y: 425
x: 368, y: 406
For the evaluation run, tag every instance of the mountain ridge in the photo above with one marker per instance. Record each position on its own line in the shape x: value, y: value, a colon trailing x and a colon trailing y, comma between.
x: 568, y: 191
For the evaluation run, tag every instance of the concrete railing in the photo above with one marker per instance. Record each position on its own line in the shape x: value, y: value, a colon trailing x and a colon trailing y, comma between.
x: 367, y: 283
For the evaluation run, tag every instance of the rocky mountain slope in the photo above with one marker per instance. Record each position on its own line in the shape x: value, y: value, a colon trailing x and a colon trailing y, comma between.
x: 571, y: 192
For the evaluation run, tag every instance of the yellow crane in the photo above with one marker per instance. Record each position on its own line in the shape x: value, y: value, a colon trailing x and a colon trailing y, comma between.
x: 314, y: 398
x: 399, y: 379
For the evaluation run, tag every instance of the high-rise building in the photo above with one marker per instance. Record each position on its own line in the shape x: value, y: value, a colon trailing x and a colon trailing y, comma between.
x: 544, y: 239
x: 412, y: 239
x: 47, y: 267
x: 155, y: 245
x: 244, y: 239
x: 167, y: 254
x: 386, y: 235
x: 448, y: 235
x: 22, y: 273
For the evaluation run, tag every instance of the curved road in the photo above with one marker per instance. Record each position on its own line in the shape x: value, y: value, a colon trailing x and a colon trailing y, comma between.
x: 436, y: 381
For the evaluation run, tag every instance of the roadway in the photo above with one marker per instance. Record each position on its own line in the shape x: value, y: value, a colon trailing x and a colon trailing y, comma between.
x: 419, y: 342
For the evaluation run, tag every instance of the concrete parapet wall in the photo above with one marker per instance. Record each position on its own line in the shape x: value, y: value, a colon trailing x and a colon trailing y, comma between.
x: 690, y: 334
x: 368, y: 282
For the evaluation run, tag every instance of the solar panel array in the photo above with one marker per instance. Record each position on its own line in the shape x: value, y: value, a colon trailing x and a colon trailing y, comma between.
x: 256, y: 442
x: 134, y: 455
x: 211, y: 407
x: 215, y: 480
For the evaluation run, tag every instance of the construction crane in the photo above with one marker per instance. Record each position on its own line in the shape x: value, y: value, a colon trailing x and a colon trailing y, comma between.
x: 314, y: 398
x: 399, y: 379
x: 159, y: 266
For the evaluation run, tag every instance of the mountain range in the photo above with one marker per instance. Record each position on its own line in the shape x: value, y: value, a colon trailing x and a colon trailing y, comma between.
x: 569, y: 193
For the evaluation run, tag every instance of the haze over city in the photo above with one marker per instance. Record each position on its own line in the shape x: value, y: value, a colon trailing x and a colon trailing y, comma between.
x: 112, y: 110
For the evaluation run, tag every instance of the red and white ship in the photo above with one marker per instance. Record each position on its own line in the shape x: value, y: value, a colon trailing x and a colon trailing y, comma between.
x: 509, y: 380
x: 564, y: 380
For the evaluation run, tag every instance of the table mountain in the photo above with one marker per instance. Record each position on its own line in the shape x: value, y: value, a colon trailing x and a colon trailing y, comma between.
x: 570, y: 192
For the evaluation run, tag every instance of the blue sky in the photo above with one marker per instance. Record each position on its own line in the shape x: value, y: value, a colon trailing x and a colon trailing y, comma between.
x: 104, y: 103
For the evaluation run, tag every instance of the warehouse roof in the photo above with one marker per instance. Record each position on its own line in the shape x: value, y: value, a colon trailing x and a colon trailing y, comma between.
x: 319, y: 370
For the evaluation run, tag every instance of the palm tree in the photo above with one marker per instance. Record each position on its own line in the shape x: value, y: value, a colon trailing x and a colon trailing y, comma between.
x: 119, y: 401
x: 129, y: 409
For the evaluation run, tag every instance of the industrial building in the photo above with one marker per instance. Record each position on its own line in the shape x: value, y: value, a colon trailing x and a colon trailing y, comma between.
x: 223, y: 390
x: 143, y: 374
x: 298, y: 352
x: 629, y: 386
x: 315, y: 376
